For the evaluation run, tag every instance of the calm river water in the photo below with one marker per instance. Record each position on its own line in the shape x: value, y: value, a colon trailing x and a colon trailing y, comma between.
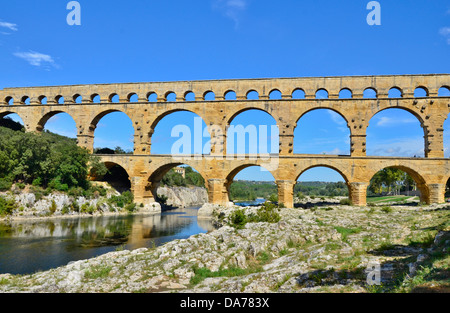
x: 31, y: 246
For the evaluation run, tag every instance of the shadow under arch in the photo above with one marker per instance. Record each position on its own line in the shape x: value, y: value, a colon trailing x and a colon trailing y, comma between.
x: 14, y: 117
x: 117, y: 177
x: 418, y: 179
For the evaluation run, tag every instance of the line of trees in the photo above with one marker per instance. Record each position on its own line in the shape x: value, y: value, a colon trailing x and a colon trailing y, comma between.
x: 44, y: 159
x: 391, y: 180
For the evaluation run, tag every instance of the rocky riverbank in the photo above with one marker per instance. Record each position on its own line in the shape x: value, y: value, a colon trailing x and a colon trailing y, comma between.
x: 183, y: 197
x: 319, y: 249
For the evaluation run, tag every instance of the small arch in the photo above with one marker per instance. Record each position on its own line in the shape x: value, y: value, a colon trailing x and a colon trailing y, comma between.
x: 114, y: 98
x: 345, y: 93
x: 95, y: 98
x: 395, y: 92
x: 370, y: 93
x: 275, y: 94
x: 152, y: 97
x: 133, y: 97
x: 189, y: 96
x: 322, y: 93
x: 230, y: 95
x: 421, y: 92
x: 9, y: 100
x: 171, y: 96
x: 298, y: 94
x: 42, y: 99
x: 59, y: 99
x: 444, y: 91
x: 77, y: 98
x: 25, y: 100
x: 252, y: 95
x: 209, y: 96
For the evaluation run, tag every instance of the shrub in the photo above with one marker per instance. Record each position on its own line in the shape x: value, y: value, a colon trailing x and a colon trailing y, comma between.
x: 7, y: 206
x: 5, y: 184
x: 386, y: 209
x: 346, y: 202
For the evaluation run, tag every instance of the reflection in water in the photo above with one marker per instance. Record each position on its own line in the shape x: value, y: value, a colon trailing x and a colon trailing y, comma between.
x: 27, y: 247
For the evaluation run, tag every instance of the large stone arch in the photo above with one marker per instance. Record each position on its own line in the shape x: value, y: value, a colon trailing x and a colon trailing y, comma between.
x: 230, y: 117
x: 44, y: 119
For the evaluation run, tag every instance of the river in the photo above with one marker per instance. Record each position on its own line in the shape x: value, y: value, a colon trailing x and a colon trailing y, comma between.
x: 38, y: 245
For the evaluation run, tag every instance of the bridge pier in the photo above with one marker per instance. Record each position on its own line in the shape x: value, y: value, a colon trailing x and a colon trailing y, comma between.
x: 286, y: 192
x: 436, y: 193
x: 358, y: 193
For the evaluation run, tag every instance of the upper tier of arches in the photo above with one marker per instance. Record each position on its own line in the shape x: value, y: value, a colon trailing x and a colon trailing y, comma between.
x: 407, y: 86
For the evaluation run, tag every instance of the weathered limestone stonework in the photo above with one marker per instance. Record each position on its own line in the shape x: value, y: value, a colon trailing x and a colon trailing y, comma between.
x: 146, y: 170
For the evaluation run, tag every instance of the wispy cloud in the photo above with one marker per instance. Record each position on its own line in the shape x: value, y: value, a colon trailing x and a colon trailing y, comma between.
x: 387, y: 121
x: 338, y: 119
x: 10, y: 26
x: 231, y: 9
x: 36, y: 58
x: 445, y: 32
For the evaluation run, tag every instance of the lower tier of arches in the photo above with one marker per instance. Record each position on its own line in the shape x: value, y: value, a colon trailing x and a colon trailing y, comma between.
x: 146, y: 172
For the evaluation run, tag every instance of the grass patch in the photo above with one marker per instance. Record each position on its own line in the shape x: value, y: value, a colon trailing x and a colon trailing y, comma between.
x: 97, y: 272
x: 345, y: 232
x: 203, y: 273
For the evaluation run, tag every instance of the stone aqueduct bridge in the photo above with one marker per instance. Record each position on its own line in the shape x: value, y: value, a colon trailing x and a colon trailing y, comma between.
x: 146, y: 170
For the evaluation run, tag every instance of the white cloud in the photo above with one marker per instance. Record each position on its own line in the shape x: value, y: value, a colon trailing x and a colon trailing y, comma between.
x: 404, y: 147
x: 10, y: 26
x: 445, y: 32
x: 338, y: 119
x: 35, y: 58
x: 231, y: 8
x: 387, y: 121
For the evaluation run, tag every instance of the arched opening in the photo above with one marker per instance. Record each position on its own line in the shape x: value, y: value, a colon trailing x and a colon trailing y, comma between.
x: 395, y: 92
x: 77, y: 98
x: 447, y: 189
x: 171, y: 96
x: 25, y: 100
x: 178, y: 175
x: 230, y: 95
x: 209, y: 96
x: 444, y: 91
x: 189, y: 96
x: 396, y: 185
x: 42, y: 100
x: 95, y: 98
x: 420, y: 92
x: 275, y: 95
x: 446, y: 136
x: 59, y: 99
x: 319, y: 186
x: 113, y: 130
x: 114, y: 98
x: 252, y: 131
x: 298, y: 94
x: 252, y: 95
x: 396, y: 133
x: 345, y: 93
x: 11, y: 121
x: 9, y: 100
x: 60, y: 123
x: 133, y: 98
x: 180, y: 133
x: 116, y: 177
x: 322, y: 94
x: 370, y: 93
x: 322, y: 131
x: 251, y: 185
x: 152, y: 97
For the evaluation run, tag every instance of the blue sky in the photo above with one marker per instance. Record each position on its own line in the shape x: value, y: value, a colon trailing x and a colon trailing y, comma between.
x: 143, y: 41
